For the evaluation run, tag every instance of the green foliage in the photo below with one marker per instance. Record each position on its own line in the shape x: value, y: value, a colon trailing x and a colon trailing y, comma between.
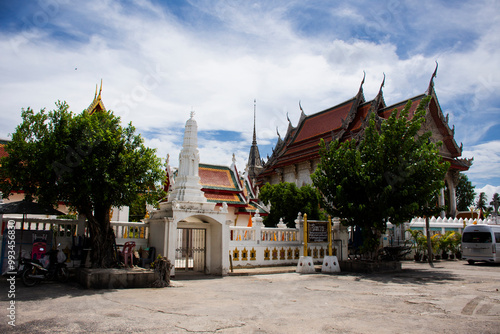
x: 415, y: 235
x: 452, y: 241
x: 481, y: 201
x: 287, y: 200
x: 495, y: 202
x: 88, y: 161
x: 465, y: 193
x: 390, y: 175
x: 422, y: 243
x: 137, y: 209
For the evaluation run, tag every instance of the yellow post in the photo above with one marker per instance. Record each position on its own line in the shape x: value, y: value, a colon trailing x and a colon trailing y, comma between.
x: 305, y: 234
x: 329, y: 235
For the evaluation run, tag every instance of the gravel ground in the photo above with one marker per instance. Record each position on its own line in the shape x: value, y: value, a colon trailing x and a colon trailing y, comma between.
x: 452, y: 297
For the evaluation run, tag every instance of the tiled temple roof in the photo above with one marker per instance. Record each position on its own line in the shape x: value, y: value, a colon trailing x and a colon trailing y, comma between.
x: 347, y: 120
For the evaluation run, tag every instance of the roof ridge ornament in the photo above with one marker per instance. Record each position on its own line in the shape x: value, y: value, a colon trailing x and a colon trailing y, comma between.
x: 382, y: 85
x: 431, y: 82
x: 302, y: 114
x: 362, y: 82
x: 100, y: 90
x: 360, y: 96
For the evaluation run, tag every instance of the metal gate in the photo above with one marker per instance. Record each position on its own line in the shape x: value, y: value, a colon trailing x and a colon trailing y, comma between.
x: 190, y: 251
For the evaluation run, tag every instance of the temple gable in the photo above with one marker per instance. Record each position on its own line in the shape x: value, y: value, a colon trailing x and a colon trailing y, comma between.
x: 295, y: 158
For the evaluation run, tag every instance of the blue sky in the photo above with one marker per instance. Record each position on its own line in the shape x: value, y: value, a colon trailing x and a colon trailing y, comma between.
x: 161, y: 59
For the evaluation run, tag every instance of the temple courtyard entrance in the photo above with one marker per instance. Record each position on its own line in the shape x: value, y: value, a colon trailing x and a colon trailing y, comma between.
x: 453, y: 297
x: 191, y: 249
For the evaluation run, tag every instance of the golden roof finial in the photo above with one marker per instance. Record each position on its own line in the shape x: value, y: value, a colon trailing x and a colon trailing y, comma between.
x: 100, y: 89
x: 97, y: 104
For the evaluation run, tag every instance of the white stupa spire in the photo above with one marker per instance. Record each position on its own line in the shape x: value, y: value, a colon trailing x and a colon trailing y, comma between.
x: 187, y: 187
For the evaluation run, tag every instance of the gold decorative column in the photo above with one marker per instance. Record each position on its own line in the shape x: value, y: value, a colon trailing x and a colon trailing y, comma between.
x: 305, y: 235
x: 329, y: 235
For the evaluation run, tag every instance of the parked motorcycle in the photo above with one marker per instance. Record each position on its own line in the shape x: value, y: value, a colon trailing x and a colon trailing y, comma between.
x: 34, y: 272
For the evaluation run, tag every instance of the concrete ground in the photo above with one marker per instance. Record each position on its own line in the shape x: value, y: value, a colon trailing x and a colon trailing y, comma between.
x: 453, y: 297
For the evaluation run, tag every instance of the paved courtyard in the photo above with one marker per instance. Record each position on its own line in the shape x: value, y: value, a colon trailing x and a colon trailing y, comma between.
x: 453, y: 297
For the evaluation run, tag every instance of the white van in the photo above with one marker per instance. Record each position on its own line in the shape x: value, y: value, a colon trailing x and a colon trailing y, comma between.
x: 480, y: 243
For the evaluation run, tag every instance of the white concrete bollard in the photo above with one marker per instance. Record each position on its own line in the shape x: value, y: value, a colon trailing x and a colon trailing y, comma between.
x: 305, y: 265
x: 330, y: 265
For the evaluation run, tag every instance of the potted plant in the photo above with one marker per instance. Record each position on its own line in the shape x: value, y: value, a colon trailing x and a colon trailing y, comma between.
x: 422, y: 244
x: 444, y: 244
x: 436, y: 241
x: 414, y: 238
x: 454, y: 241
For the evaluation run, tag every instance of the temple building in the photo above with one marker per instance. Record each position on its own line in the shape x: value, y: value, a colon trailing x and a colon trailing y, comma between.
x: 296, y: 156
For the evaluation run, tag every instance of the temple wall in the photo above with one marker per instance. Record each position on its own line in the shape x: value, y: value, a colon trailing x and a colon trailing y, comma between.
x: 300, y: 174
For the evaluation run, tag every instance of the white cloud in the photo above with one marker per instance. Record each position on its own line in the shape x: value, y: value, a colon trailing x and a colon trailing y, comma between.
x: 157, y: 67
x: 489, y: 190
x: 486, y: 164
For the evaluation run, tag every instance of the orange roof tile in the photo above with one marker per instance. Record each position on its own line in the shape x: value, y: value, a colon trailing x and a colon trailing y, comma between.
x: 323, y: 122
x: 217, y: 177
x: 3, y: 152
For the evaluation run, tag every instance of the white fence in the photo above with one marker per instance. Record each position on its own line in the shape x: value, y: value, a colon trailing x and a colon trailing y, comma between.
x: 276, y: 246
x: 68, y: 233
x: 248, y: 246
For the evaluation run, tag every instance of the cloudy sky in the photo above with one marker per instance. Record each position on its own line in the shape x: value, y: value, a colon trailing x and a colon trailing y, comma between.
x: 161, y: 59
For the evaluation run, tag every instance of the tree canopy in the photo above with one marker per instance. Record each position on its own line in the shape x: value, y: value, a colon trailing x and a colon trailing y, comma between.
x: 482, y: 201
x: 390, y: 174
x: 465, y: 193
x: 495, y: 202
x: 287, y: 200
x: 88, y: 161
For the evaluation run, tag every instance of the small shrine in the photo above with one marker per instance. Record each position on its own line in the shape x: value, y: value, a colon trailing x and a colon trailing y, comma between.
x: 188, y: 228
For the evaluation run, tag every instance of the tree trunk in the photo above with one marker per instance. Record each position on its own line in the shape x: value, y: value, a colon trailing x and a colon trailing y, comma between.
x: 429, y: 245
x: 102, y: 238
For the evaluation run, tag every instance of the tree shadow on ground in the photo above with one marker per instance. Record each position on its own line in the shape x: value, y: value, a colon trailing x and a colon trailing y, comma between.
x: 192, y: 275
x: 49, y: 290
x: 419, y: 276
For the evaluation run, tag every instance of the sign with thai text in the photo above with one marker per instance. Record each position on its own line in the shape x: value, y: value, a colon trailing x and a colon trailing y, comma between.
x: 317, y: 231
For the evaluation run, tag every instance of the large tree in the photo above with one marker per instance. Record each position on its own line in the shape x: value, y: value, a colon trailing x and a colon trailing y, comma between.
x: 391, y: 174
x: 495, y: 202
x: 287, y: 200
x: 465, y: 193
x: 482, y: 201
x: 88, y: 161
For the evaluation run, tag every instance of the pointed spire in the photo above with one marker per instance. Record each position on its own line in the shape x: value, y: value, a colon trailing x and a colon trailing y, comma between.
x: 431, y: 82
x: 254, y: 163
x: 187, y: 187
x: 254, y: 141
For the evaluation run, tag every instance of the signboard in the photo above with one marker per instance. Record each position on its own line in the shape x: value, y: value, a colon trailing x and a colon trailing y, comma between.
x: 317, y: 231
